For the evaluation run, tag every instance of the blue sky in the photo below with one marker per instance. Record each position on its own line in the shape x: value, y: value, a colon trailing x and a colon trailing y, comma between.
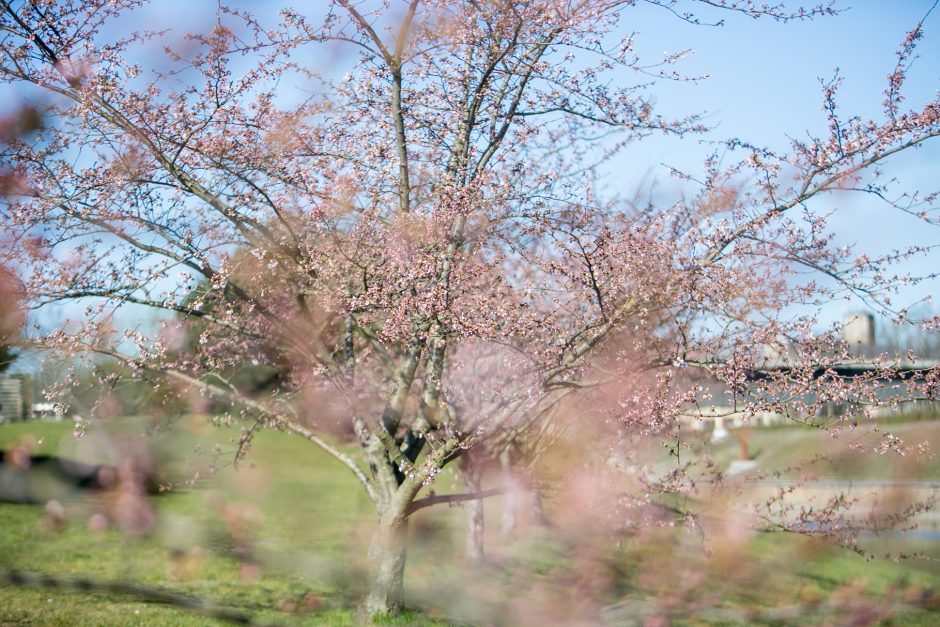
x: 763, y: 85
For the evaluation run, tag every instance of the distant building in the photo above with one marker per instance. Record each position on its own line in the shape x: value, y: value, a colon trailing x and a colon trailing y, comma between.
x: 858, y: 329
x: 11, y: 399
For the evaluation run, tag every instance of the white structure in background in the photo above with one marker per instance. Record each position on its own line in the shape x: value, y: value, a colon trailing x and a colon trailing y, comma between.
x: 739, y: 466
x: 858, y: 329
x: 11, y: 399
x: 48, y: 411
x: 719, y: 418
x: 720, y: 433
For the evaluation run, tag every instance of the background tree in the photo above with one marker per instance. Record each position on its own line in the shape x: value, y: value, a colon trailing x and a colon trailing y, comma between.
x: 10, y: 317
x: 430, y: 215
x: 6, y: 357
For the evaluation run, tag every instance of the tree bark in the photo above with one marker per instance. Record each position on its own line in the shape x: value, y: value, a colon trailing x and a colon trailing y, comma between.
x: 511, y: 499
x: 387, y: 553
x: 475, y: 524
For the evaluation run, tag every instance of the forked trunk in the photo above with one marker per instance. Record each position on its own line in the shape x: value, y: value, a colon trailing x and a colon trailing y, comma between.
x: 387, y: 562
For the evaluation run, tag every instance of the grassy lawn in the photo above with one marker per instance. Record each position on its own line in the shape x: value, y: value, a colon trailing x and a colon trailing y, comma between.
x: 282, y: 539
x: 279, y: 534
x: 778, y: 448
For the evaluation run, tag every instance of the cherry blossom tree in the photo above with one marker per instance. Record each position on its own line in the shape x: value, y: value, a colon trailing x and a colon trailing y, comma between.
x: 419, y: 246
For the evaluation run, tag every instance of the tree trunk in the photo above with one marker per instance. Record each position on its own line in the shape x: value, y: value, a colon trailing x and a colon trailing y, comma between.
x: 511, y: 498
x: 387, y: 561
x: 475, y: 525
x: 538, y: 509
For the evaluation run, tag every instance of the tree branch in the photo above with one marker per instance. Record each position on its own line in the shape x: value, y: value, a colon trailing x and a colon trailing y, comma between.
x: 151, y: 594
x: 428, y: 501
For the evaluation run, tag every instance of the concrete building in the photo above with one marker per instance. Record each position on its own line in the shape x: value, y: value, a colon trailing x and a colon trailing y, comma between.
x: 11, y: 399
x: 858, y: 329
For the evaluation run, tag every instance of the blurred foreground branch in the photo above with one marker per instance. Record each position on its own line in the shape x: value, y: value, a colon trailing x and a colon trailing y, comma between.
x: 150, y: 594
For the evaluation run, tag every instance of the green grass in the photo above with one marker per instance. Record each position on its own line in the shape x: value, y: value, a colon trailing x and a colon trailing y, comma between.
x: 302, y: 518
x: 304, y: 521
x: 779, y: 448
